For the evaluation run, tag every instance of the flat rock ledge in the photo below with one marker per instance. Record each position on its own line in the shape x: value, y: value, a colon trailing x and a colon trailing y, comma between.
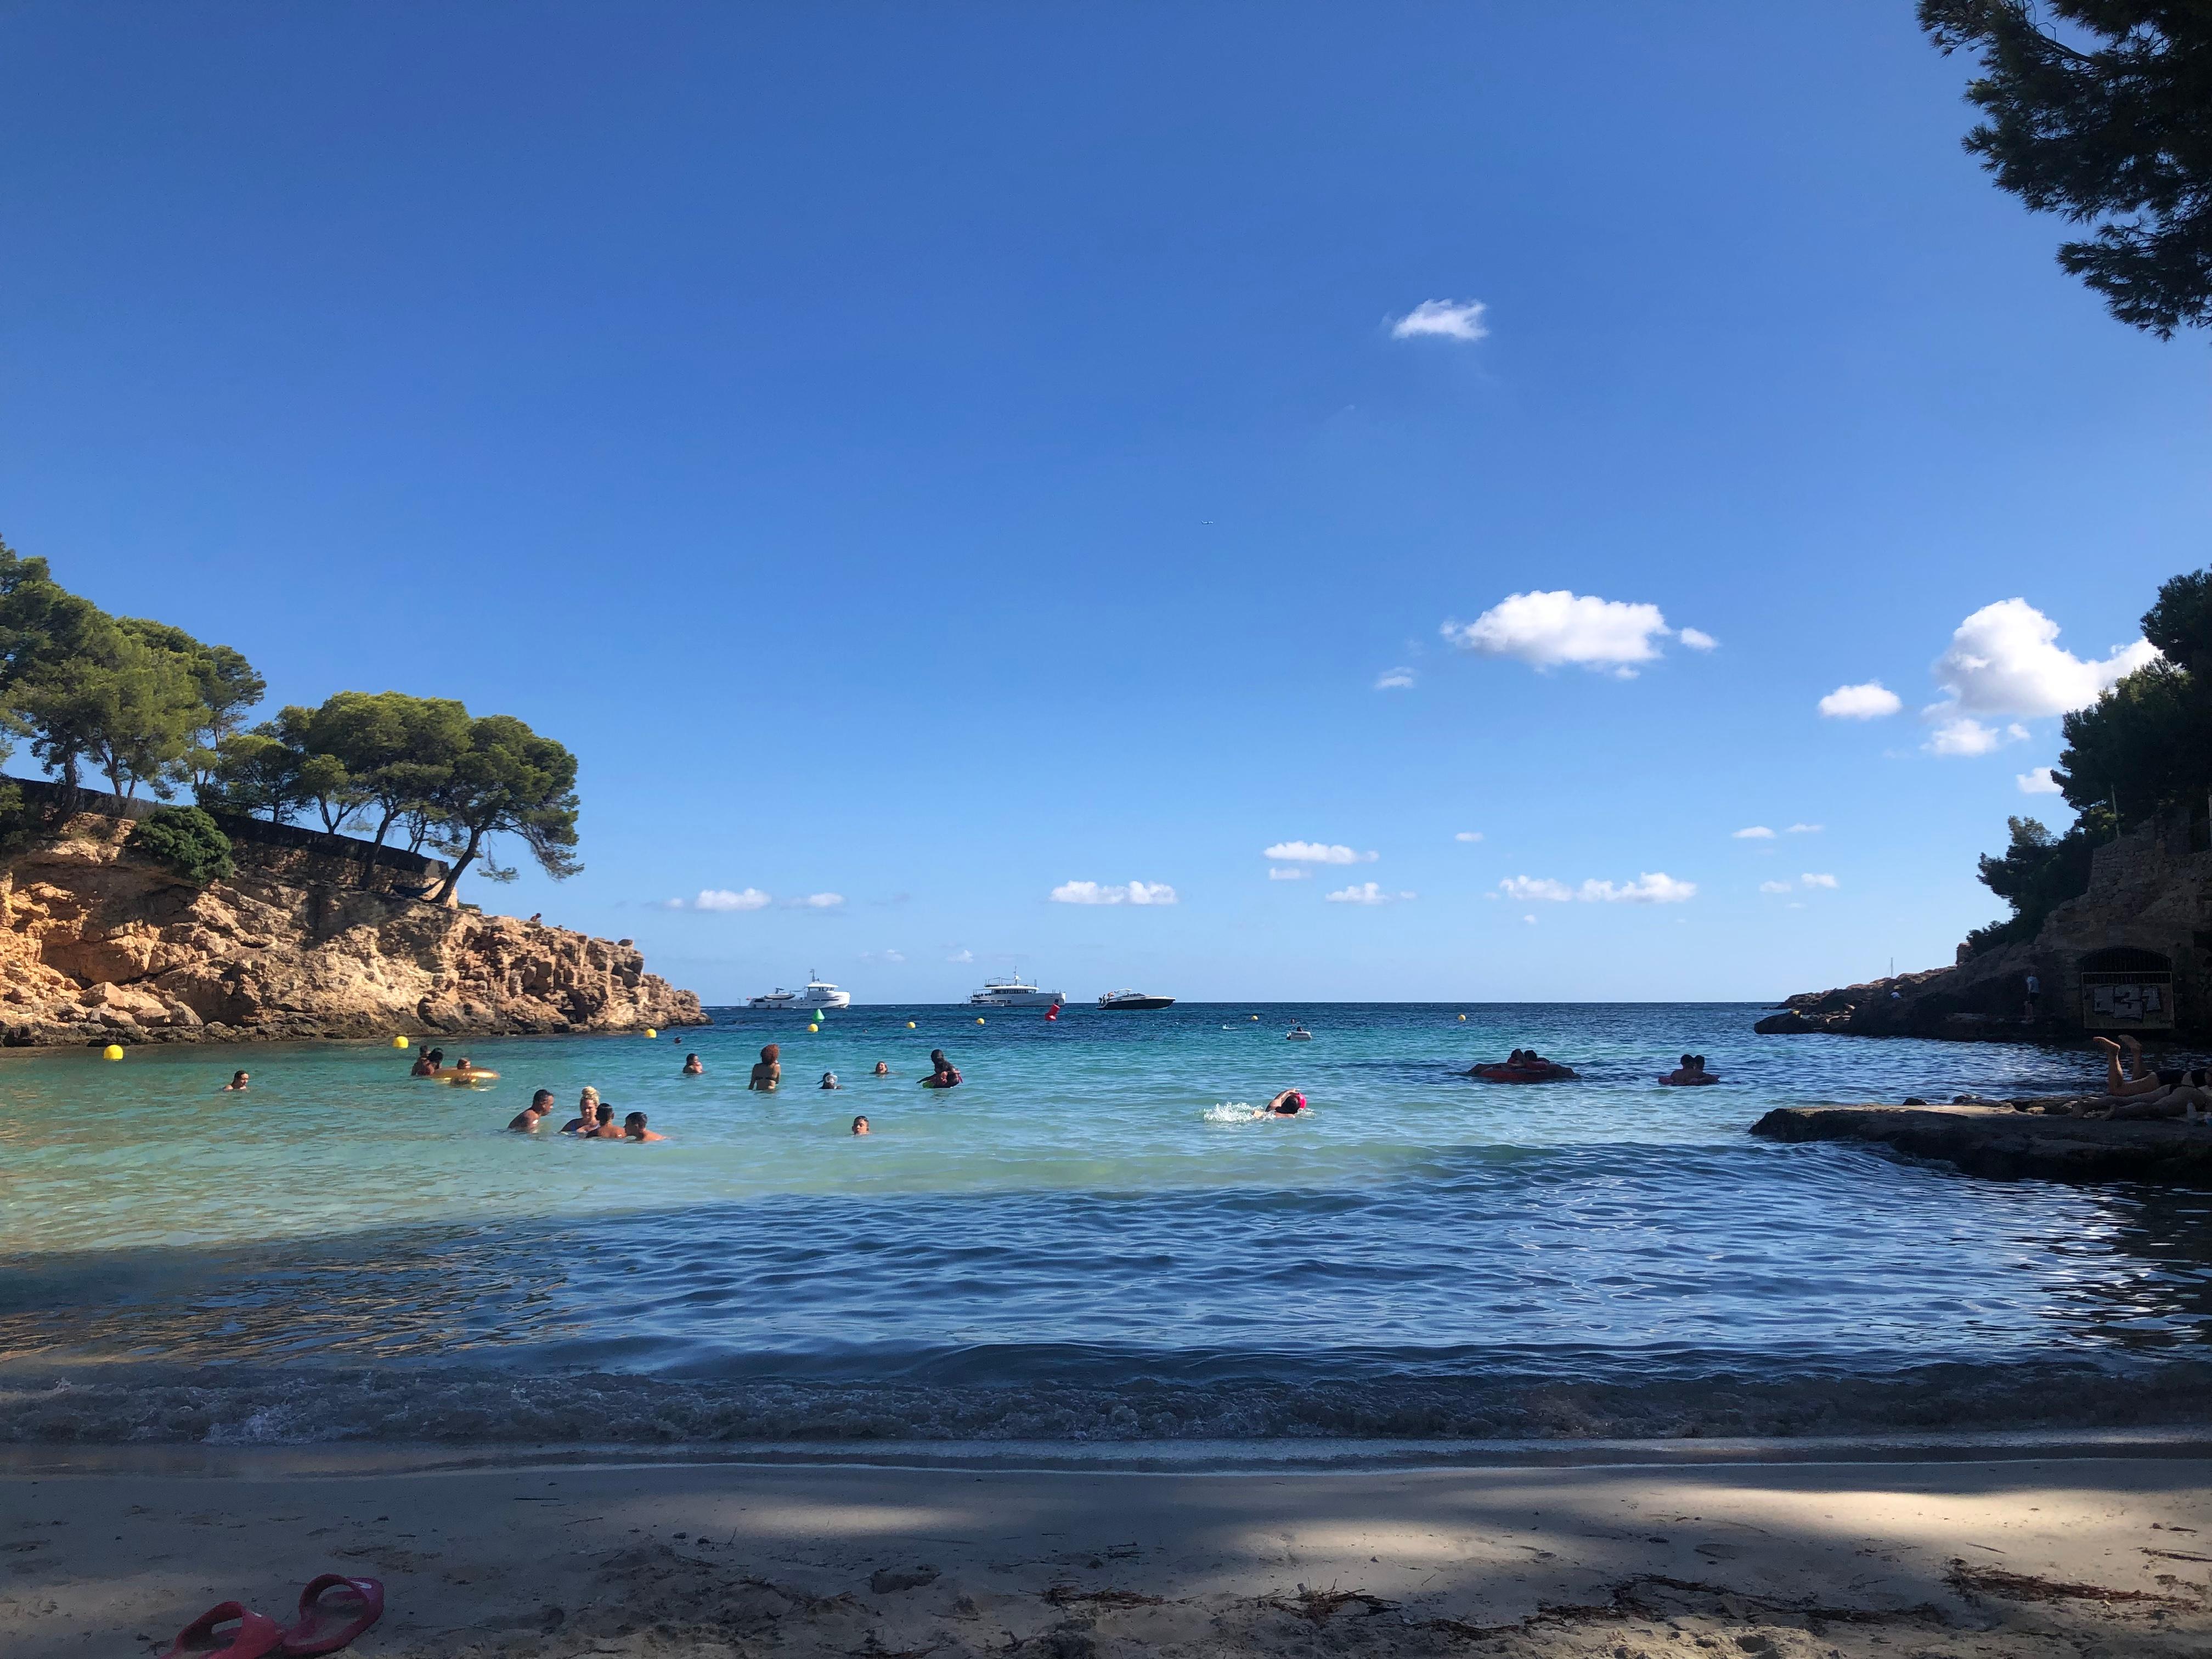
x: 2008, y: 1143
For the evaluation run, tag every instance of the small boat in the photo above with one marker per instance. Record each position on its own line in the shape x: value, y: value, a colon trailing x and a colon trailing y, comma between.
x: 1126, y: 998
x: 1016, y: 993
x: 779, y: 998
x: 818, y: 994
x: 1298, y: 1034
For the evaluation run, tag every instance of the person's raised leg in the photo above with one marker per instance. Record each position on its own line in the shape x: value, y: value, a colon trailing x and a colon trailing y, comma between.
x: 2113, y: 1076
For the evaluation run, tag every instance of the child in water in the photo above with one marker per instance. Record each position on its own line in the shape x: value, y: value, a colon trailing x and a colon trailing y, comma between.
x: 859, y: 1125
x: 691, y: 1066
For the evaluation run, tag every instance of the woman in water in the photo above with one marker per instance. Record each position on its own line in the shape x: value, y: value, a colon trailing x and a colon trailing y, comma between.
x: 587, y: 1109
x: 691, y: 1066
x: 427, y: 1065
x: 859, y: 1125
x: 236, y: 1085
x: 883, y: 1068
x: 944, y: 1074
x: 769, y: 1072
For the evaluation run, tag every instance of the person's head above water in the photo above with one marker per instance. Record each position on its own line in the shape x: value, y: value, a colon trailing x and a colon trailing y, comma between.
x: 859, y: 1125
x: 238, y: 1079
x: 883, y: 1068
x: 606, y: 1113
x: 937, y: 1056
x: 770, y: 1055
x: 542, y: 1101
x: 828, y: 1079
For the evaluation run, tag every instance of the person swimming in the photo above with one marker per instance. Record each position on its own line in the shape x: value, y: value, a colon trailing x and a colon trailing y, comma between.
x: 883, y: 1068
x: 603, y: 1126
x: 829, y: 1080
x: 691, y: 1066
x: 944, y: 1074
x: 528, y: 1120
x: 769, y: 1072
x: 429, y: 1065
x: 588, y: 1107
x: 633, y: 1128
x: 1690, y: 1072
x: 235, y: 1086
x: 859, y: 1125
x: 1289, y: 1103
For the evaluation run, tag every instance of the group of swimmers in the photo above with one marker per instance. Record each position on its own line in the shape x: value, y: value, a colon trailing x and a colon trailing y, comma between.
x: 768, y: 1074
x: 594, y: 1119
x: 464, y: 1071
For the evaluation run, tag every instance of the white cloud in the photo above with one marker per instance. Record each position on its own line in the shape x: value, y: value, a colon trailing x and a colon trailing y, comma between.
x: 2005, y: 659
x: 1548, y: 630
x: 1535, y: 887
x: 1652, y: 887
x: 1804, y: 829
x: 675, y: 904
x: 1757, y: 832
x: 818, y: 902
x: 1395, y: 679
x: 1468, y: 835
x: 1136, y: 892
x: 1869, y: 701
x: 1697, y: 638
x: 1531, y: 920
x: 1967, y: 735
x: 961, y: 956
x: 721, y: 898
x: 2037, y: 781
x: 1811, y: 880
x: 1277, y: 873
x: 1443, y: 319
x: 1365, y: 892
x: 1774, y: 887
x: 1315, y: 852
x: 882, y: 956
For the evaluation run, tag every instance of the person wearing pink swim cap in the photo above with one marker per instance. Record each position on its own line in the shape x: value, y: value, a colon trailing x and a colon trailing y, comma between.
x: 1289, y: 1103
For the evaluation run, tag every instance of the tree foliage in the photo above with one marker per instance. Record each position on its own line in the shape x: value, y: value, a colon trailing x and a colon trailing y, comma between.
x: 2036, y: 873
x: 2147, y: 743
x: 186, y: 840
x: 2100, y: 111
x: 510, y: 781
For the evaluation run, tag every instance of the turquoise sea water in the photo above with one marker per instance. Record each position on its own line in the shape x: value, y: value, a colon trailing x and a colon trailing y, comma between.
x: 1080, y: 1242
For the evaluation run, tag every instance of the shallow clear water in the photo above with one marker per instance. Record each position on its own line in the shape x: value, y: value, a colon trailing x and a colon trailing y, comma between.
x: 1075, y: 1243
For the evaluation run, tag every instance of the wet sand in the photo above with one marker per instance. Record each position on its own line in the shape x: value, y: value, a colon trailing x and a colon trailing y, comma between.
x: 2019, y: 1559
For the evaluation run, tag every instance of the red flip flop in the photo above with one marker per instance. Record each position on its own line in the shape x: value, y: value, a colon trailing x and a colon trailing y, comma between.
x: 326, y: 1625
x: 256, y: 1635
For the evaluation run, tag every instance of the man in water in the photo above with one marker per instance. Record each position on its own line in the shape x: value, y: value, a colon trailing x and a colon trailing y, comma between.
x: 1289, y: 1103
x: 943, y: 1073
x: 691, y: 1066
x: 235, y: 1086
x: 633, y: 1128
x: 769, y: 1072
x: 859, y: 1125
x: 603, y: 1126
x: 429, y: 1065
x: 526, y: 1121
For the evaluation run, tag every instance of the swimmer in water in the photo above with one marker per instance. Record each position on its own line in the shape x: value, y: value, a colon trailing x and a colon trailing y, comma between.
x: 526, y: 1121
x: 603, y: 1126
x: 633, y: 1128
x: 692, y: 1068
x: 829, y: 1080
x: 1690, y: 1072
x: 859, y: 1125
x: 882, y: 1069
x: 769, y: 1072
x: 235, y: 1086
x: 465, y: 1070
x: 587, y: 1107
x: 429, y: 1065
x: 944, y: 1074
x: 1289, y: 1103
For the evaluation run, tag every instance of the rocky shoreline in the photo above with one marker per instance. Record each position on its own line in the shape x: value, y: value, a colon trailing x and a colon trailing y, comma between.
x: 99, y: 945
x: 2012, y: 1140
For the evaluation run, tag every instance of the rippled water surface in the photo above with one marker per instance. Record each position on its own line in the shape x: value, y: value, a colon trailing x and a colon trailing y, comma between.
x: 1077, y: 1242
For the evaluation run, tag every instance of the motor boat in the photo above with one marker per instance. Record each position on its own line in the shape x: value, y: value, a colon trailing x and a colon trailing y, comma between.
x: 1298, y: 1034
x: 1016, y: 993
x: 1134, y: 1000
x: 818, y: 994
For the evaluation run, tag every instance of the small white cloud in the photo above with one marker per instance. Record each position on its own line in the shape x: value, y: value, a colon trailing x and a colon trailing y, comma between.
x: 1535, y: 887
x: 2005, y: 659
x: 1395, y: 679
x: 1531, y: 920
x: 1869, y: 701
x: 1442, y: 320
x: 961, y: 956
x: 1468, y: 835
x: 1774, y: 887
x: 1548, y: 630
x: 1315, y: 852
x: 721, y: 898
x: 1697, y: 638
x: 1278, y: 873
x: 1795, y: 904
x: 818, y: 902
x: 1756, y: 832
x: 1804, y: 829
x: 675, y: 904
x: 1966, y: 735
x: 2038, y: 782
x: 893, y: 957
x: 1818, y: 881
x: 1652, y: 887
x: 1365, y: 892
x: 1135, y: 893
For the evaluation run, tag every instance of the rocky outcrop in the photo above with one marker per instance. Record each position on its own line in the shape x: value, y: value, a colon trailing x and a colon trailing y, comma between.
x: 2007, y: 1143
x: 98, y: 943
x: 2149, y: 899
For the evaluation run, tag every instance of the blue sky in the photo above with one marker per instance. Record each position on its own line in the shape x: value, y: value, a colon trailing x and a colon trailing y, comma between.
x: 933, y: 456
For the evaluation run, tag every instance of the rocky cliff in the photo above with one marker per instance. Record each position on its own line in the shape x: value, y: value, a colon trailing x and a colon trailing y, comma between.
x: 98, y: 944
x: 2147, y: 914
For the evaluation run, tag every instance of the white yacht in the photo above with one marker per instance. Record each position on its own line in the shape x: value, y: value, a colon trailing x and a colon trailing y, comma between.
x: 1016, y: 993
x: 1114, y: 999
x: 818, y: 994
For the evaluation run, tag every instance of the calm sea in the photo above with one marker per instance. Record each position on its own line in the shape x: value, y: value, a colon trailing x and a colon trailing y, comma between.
x: 1084, y: 1242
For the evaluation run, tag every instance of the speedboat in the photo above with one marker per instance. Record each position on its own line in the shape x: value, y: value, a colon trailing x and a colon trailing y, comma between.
x: 1016, y: 993
x: 1298, y: 1034
x: 1134, y: 1000
x: 779, y: 998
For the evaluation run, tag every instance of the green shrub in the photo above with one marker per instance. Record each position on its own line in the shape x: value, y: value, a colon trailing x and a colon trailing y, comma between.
x: 184, y: 839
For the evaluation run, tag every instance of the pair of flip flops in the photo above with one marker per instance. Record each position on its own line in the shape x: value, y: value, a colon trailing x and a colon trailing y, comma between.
x: 334, y: 1610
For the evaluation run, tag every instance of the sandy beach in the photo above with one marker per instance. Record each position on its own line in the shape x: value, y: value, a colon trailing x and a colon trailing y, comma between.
x: 109, y: 1551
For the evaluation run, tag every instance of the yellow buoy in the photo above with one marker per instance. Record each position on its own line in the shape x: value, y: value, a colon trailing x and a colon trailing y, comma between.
x: 813, y: 1028
x: 909, y: 1025
x: 399, y: 1042
x: 1256, y: 1016
x: 112, y: 1051
x: 650, y: 1032
x: 1462, y: 1016
x: 979, y: 1019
